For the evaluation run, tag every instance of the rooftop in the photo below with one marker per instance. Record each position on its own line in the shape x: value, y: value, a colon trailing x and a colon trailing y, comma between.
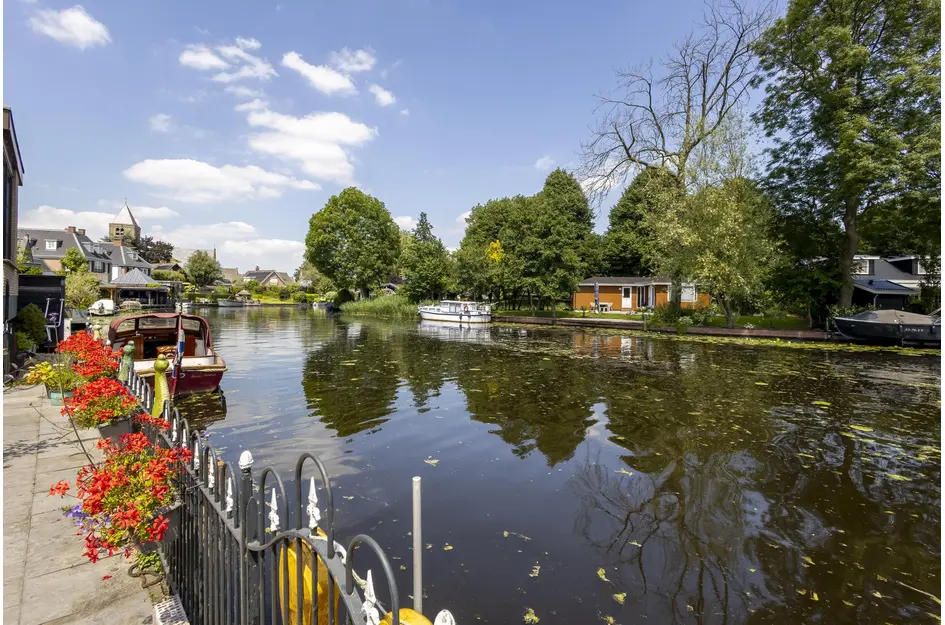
x: 882, y: 286
x: 125, y: 217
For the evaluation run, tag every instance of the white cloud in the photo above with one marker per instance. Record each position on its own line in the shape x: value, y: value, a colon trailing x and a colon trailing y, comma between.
x: 316, y: 142
x: 71, y: 26
x: 406, y: 222
x: 146, y: 213
x: 160, y: 122
x: 351, y: 61
x: 50, y: 217
x: 322, y: 77
x: 238, y: 244
x: 463, y: 217
x: 199, y: 56
x: 545, y: 163
x: 382, y: 95
x: 252, y: 105
x: 187, y: 180
x: 241, y: 91
x: 405, y: 112
x: 248, y: 44
x: 247, y: 65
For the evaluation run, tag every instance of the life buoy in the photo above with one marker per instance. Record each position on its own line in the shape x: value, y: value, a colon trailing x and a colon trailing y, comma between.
x: 466, y: 308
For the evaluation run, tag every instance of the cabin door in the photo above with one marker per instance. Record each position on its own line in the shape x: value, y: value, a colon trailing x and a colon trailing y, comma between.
x: 643, y: 299
x: 626, y: 301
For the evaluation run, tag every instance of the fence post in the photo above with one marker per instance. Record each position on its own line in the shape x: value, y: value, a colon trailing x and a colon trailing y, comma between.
x: 251, y: 582
x: 127, y: 361
x: 161, y: 391
x: 417, y: 550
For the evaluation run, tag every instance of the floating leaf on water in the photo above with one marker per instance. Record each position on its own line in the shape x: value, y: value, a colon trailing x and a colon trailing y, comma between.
x: 530, y: 617
x: 609, y: 620
x: 761, y: 384
x: 752, y: 570
x: 475, y: 369
x: 403, y: 568
x: 431, y: 461
x: 861, y: 428
x: 898, y: 478
x: 635, y: 543
x: 808, y: 560
x: 623, y: 472
x: 801, y: 591
x: 807, y: 456
x: 847, y: 603
x: 881, y: 578
x: 349, y: 497
x: 535, y: 570
x: 429, y: 545
x: 447, y: 547
x: 877, y: 594
x: 814, y: 597
x: 601, y: 573
x: 505, y: 533
x: 620, y: 598
x: 821, y: 402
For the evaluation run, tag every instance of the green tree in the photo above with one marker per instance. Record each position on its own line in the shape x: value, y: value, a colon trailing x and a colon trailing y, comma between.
x: 627, y: 238
x: 551, y: 247
x: 563, y: 193
x: 252, y: 286
x: 155, y: 251
x: 24, y: 263
x: 32, y: 322
x: 164, y: 274
x: 81, y: 289
x: 353, y: 241
x: 853, y: 107
x: 203, y: 269
x: 425, y: 263
x: 73, y: 262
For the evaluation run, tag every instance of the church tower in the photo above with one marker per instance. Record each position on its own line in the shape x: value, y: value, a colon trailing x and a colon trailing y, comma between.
x: 124, y: 224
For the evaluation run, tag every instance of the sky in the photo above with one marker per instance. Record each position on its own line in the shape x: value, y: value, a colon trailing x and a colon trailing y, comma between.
x: 228, y: 124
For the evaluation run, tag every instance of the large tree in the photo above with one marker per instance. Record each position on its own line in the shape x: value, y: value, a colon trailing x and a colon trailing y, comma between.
x: 73, y: 261
x: 853, y: 107
x: 155, y: 251
x: 628, y: 237
x: 203, y: 269
x: 425, y: 263
x: 353, y: 240
x: 659, y: 119
x: 82, y: 289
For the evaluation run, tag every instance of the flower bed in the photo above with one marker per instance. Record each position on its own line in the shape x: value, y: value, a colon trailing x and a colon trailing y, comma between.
x: 128, y: 499
x: 92, y: 360
x: 99, y: 403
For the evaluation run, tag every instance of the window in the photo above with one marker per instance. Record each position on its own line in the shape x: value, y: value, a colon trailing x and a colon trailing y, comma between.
x: 919, y: 269
x: 863, y: 266
x: 688, y: 294
x: 627, y: 290
x: 51, y: 244
x: 274, y: 281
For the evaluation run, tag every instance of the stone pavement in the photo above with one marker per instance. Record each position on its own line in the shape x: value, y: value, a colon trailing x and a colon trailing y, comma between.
x: 46, y: 579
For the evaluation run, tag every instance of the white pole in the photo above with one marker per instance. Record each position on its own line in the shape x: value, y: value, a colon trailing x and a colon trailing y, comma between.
x: 417, y: 550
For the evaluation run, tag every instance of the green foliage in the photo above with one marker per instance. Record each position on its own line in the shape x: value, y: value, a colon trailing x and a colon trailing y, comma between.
x: 155, y: 251
x: 24, y: 259
x: 353, y: 240
x: 203, y: 269
x: 853, y: 108
x: 307, y: 271
x: 81, y: 289
x: 625, y: 245
x: 32, y: 322
x: 252, y: 286
x: 24, y: 341
x: 223, y: 291
x: 389, y: 306
x: 166, y: 274
x: 74, y: 262
x: 299, y: 297
x: 424, y: 263
x: 664, y: 314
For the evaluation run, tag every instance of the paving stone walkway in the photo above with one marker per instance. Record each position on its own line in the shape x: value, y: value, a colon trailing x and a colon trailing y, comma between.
x: 46, y: 579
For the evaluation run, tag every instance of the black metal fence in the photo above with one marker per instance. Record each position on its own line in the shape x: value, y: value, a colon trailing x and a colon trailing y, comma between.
x: 235, y: 556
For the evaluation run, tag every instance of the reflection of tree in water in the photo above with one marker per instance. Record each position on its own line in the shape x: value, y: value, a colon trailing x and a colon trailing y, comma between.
x: 424, y: 363
x: 202, y: 409
x: 537, y: 404
x: 351, y: 380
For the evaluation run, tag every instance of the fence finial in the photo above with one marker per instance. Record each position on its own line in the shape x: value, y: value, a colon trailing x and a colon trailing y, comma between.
x: 127, y: 361
x: 444, y: 618
x: 246, y: 460
x: 314, y: 515
x: 369, y: 607
x: 274, y: 513
x: 197, y: 457
x: 161, y: 391
x: 174, y: 431
x: 211, y: 473
x: 229, y: 493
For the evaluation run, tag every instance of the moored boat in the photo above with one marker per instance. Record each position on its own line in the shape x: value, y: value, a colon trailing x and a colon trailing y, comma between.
x: 130, y: 304
x: 458, y: 311
x: 891, y: 326
x: 103, y: 307
x: 230, y: 303
x: 183, y: 339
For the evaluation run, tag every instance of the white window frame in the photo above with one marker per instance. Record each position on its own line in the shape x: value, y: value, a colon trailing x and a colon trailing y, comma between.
x: 689, y: 288
x: 51, y: 245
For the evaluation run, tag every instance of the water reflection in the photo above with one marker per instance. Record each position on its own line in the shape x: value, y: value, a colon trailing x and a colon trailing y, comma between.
x: 713, y: 483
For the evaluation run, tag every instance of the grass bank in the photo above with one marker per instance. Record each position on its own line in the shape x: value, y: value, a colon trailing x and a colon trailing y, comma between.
x: 387, y: 306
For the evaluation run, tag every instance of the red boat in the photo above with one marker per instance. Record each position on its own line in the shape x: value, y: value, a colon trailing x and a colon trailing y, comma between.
x: 183, y: 339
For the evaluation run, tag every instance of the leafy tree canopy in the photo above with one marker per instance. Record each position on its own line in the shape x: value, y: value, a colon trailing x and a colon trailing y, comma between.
x: 203, y: 269
x: 425, y: 263
x: 74, y: 262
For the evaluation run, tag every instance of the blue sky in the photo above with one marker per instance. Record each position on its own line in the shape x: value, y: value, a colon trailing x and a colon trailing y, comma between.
x: 227, y: 124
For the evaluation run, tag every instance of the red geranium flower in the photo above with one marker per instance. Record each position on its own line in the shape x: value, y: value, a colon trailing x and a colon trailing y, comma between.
x: 59, y: 488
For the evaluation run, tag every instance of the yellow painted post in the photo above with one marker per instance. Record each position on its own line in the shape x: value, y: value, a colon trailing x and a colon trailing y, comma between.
x: 127, y: 361
x: 161, y: 391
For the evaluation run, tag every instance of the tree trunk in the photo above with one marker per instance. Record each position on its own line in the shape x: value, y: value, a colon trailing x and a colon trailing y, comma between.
x: 675, y: 302
x: 850, y: 246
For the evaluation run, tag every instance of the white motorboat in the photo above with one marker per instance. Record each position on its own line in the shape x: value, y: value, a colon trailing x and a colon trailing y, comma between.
x: 184, y: 306
x: 103, y: 308
x: 230, y: 303
x: 457, y: 311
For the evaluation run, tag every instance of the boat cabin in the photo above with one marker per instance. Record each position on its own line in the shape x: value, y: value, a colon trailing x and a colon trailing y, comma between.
x: 457, y: 307
x: 158, y: 333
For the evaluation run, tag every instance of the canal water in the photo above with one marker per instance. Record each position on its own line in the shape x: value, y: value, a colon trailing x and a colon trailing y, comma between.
x: 595, y: 477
